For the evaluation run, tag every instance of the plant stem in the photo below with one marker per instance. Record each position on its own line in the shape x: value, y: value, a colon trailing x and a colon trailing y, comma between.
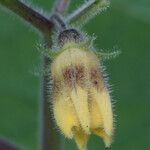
x: 29, y: 14
x: 58, y: 20
x: 61, y: 6
x: 50, y: 139
x: 5, y: 145
x: 87, y: 11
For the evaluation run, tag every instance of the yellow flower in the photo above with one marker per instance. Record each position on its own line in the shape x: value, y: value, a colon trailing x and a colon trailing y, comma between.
x: 81, y: 100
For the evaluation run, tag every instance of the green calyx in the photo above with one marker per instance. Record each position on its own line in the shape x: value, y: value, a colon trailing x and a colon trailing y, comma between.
x: 82, y: 46
x: 85, y: 46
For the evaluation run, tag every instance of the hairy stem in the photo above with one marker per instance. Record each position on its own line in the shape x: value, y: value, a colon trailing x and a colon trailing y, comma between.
x: 58, y: 20
x: 87, y: 11
x: 50, y: 139
x: 29, y: 14
x: 61, y: 6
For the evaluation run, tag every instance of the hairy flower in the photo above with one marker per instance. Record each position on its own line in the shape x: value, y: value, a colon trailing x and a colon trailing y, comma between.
x: 81, y: 100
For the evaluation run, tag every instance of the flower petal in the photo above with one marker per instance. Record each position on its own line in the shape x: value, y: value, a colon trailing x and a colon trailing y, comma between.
x: 95, y: 113
x: 65, y: 115
x: 104, y: 103
x: 81, y: 140
x: 79, y: 97
x: 107, y: 139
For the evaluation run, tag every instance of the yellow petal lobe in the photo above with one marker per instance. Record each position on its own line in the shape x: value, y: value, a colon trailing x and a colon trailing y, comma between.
x: 81, y: 140
x: 104, y: 103
x: 65, y: 115
x: 106, y: 138
x: 79, y: 97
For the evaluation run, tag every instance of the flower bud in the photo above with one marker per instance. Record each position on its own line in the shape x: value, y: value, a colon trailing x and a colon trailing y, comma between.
x: 81, y: 100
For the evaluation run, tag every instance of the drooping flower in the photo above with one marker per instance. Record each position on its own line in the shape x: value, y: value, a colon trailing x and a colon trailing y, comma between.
x: 81, y: 100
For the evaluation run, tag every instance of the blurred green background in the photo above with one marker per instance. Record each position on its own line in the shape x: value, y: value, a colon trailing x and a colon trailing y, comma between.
x: 125, y: 24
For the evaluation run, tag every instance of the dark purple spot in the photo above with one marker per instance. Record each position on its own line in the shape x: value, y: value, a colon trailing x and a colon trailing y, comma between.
x: 74, y: 74
x: 95, y: 76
